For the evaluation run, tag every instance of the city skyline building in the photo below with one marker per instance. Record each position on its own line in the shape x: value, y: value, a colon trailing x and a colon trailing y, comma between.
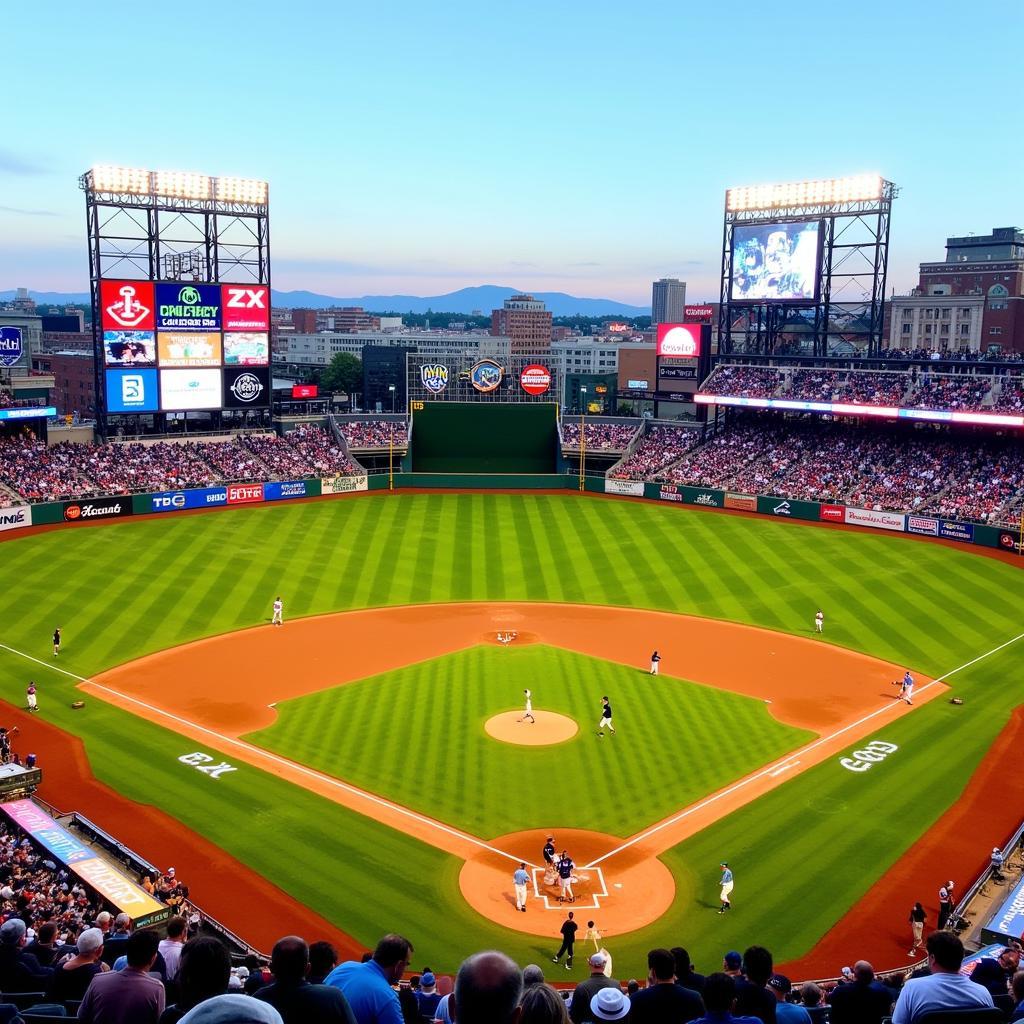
x: 668, y: 298
x: 526, y: 322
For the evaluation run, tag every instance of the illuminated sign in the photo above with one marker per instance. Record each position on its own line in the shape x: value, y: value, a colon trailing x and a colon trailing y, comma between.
x: 618, y: 328
x: 638, y: 385
x: 132, y: 390
x: 181, y: 390
x: 245, y: 307
x: 305, y: 391
x: 247, y: 387
x: 698, y: 312
x: 434, y: 377
x: 127, y: 305
x: 679, y: 340
x: 188, y: 348
x: 486, y: 375
x: 244, y: 348
x: 12, y: 347
x: 187, y: 307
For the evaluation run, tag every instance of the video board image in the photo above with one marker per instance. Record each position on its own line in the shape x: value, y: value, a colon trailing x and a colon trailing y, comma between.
x: 246, y: 349
x: 181, y: 348
x: 129, y: 348
x: 775, y: 262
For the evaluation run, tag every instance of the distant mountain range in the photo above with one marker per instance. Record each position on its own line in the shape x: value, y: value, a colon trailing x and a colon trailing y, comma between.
x: 482, y: 297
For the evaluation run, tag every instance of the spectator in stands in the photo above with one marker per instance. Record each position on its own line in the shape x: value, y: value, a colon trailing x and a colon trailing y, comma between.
x: 131, y: 996
x: 44, y: 946
x: 579, y: 1007
x: 19, y: 971
x: 686, y: 976
x: 323, y: 958
x: 532, y: 975
x: 427, y: 996
x: 488, y: 990
x: 610, y: 1004
x: 862, y: 1001
x: 810, y: 998
x: 117, y: 941
x: 1017, y: 990
x: 946, y: 988
x: 786, y: 1013
x: 171, y: 947
x: 541, y: 1004
x: 71, y: 977
x: 752, y: 995
x: 995, y: 972
x: 732, y: 964
x: 663, y: 999
x: 720, y: 1000
x: 232, y: 1009
x: 103, y: 920
x: 291, y: 994
x: 204, y: 972
x: 367, y: 986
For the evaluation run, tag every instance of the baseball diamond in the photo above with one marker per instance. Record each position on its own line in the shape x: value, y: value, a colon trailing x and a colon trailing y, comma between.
x: 358, y: 734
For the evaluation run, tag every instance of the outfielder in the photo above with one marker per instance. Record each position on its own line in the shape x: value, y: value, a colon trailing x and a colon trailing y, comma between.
x: 56, y: 641
x: 278, y: 619
x: 30, y: 696
x: 606, y: 718
x: 726, y: 887
x: 519, y: 880
x: 655, y: 659
x: 819, y: 622
x: 528, y: 712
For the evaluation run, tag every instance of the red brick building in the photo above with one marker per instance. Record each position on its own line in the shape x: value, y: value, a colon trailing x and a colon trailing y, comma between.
x: 525, y: 321
x: 74, y: 384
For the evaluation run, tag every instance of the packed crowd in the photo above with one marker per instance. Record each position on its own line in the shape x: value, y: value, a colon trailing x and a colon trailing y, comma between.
x: 962, y: 392
x: 659, y: 447
x: 1011, y: 396
x: 872, y: 388
x: 744, y: 381
x: 815, y: 385
x: 363, y: 434
x: 71, y: 470
x: 612, y: 437
x: 868, y: 467
x: 959, y: 355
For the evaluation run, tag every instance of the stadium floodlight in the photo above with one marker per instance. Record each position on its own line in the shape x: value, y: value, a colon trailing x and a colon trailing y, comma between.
x: 241, y: 190
x: 108, y: 178
x: 858, y: 188
x: 182, y: 185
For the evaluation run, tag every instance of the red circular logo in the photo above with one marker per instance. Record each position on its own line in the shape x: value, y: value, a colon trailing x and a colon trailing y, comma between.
x: 72, y: 512
x: 535, y: 379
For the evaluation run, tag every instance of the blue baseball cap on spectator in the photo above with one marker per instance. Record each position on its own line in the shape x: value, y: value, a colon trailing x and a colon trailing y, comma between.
x: 733, y: 960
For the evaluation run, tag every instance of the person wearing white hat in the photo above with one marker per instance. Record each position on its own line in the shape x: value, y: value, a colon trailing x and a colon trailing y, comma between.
x: 232, y: 1009
x: 609, y: 1004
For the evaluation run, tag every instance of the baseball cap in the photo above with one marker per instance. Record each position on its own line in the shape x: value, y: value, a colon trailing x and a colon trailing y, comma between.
x: 847, y: 972
x: 90, y: 940
x: 609, y: 1004
x: 781, y: 982
x: 723, y: 863
x: 428, y: 980
x: 733, y: 959
x: 597, y: 959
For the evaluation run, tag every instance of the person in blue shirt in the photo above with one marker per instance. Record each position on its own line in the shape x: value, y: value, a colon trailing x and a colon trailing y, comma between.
x: 519, y: 880
x: 726, y: 887
x: 367, y: 986
x: 720, y: 1000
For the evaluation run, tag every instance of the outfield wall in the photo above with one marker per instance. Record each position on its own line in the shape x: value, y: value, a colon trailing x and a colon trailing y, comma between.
x: 92, y: 510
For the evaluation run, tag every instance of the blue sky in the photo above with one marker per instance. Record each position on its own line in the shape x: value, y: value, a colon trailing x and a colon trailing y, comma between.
x: 581, y: 147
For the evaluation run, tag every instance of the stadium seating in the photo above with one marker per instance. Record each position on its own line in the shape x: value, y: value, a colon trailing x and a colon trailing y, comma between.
x: 364, y: 435
x: 609, y: 437
x: 658, y: 448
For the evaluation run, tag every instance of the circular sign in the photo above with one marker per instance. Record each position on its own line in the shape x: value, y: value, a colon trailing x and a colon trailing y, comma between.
x: 678, y: 340
x: 247, y: 387
x: 535, y: 379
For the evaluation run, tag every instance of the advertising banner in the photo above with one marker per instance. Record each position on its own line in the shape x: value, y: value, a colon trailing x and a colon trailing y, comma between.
x: 127, y: 306
x: 343, y: 484
x: 923, y: 525
x: 706, y: 496
x: 246, y: 388
x: 107, y: 880
x: 305, y: 391
x: 1008, y: 918
x: 187, y: 307
x: 12, y: 346
x: 879, y: 520
x: 679, y: 340
x: 956, y: 531
x: 744, y: 502
x: 789, y: 508
x: 669, y: 492
x: 132, y: 391
x: 97, y: 508
x: 188, y: 348
x: 244, y: 494
x: 677, y: 372
x: 15, y: 518
x: 833, y: 513
x: 1009, y: 541
x: 699, y: 312
x: 129, y: 348
x: 535, y: 379
x: 181, y: 390
x: 245, y: 348
x: 633, y: 487
x: 283, y: 491
x: 175, y: 501
x: 246, y: 307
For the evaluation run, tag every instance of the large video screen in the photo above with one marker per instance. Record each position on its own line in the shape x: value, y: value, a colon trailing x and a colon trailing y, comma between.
x: 179, y: 347
x: 775, y: 262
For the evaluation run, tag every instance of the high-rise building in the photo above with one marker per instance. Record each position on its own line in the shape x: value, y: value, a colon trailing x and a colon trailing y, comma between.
x: 668, y: 297
x: 525, y: 321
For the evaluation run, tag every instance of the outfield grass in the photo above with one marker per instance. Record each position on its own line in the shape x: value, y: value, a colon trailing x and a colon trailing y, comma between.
x: 687, y: 739
x: 803, y: 854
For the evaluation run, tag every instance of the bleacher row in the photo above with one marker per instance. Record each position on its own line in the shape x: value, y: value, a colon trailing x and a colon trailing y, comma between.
x: 915, y: 389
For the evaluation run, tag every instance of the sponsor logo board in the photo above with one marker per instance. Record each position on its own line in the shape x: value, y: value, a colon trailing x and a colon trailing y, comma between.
x: 129, y: 348
x: 127, y: 305
x: 1009, y: 541
x: 244, y: 494
x: 637, y: 385
x: 188, y: 348
x: 708, y: 499
x: 1009, y: 917
x: 633, y: 487
x: 833, y: 513
x: 956, y: 531
x: 97, y: 508
x: 188, y: 307
x: 343, y: 484
x: 486, y: 375
x: 29, y: 413
x: 305, y: 391
x: 878, y: 520
x: 284, y: 491
x: 246, y: 348
x: 669, y: 493
x: 535, y: 379
x: 175, y: 501
x: 698, y: 312
x: 434, y: 377
x: 245, y: 307
x: 745, y: 502
x: 246, y: 388
x: 190, y: 389
x: 923, y: 525
x: 16, y: 518
x: 133, y: 390
x: 12, y: 345
x: 681, y: 340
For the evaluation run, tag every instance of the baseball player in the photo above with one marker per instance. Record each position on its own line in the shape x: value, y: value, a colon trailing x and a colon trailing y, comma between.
x: 726, y: 887
x: 606, y: 718
x: 519, y: 880
x: 819, y: 621
x: 278, y: 619
x: 30, y: 696
x: 655, y: 658
x: 568, y: 930
x: 549, y: 861
x: 56, y: 641
x: 528, y: 712
x: 907, y: 687
x: 565, y: 868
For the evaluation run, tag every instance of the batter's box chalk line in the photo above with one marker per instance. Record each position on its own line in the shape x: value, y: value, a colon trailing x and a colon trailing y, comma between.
x: 588, y: 876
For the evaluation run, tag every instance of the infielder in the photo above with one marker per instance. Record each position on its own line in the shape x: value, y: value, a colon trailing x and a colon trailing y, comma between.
x: 528, y: 712
x: 726, y: 887
x: 606, y: 718
x: 907, y: 688
x: 56, y: 641
x: 278, y: 619
x: 819, y: 622
x: 30, y: 696
x: 655, y: 658
x: 519, y: 880
x: 565, y: 868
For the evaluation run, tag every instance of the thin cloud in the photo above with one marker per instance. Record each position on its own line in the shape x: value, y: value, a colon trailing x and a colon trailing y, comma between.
x: 28, y: 213
x: 14, y: 164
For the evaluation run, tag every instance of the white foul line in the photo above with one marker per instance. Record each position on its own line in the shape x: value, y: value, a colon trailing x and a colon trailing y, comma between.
x: 294, y: 766
x: 775, y: 765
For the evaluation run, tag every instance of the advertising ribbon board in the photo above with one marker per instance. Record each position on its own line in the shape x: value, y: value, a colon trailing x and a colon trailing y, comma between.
x: 742, y: 502
x: 631, y: 487
x: 106, y: 879
x: 97, y: 508
x: 833, y: 513
x: 923, y: 525
x: 957, y: 531
x: 669, y: 492
x: 343, y: 484
x: 244, y: 494
x: 1008, y: 918
x: 789, y: 508
x: 705, y: 496
x: 284, y: 490
x: 879, y: 520
x: 175, y: 501
x: 15, y: 518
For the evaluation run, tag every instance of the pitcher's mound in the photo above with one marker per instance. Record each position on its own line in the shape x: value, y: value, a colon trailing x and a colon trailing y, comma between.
x: 549, y: 728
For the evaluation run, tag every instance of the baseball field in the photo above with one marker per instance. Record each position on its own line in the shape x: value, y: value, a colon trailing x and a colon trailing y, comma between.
x: 366, y: 760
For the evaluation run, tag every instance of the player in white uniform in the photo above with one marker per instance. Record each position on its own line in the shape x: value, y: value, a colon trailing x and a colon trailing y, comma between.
x: 278, y: 619
x: 907, y: 687
x: 528, y: 713
x: 819, y: 622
